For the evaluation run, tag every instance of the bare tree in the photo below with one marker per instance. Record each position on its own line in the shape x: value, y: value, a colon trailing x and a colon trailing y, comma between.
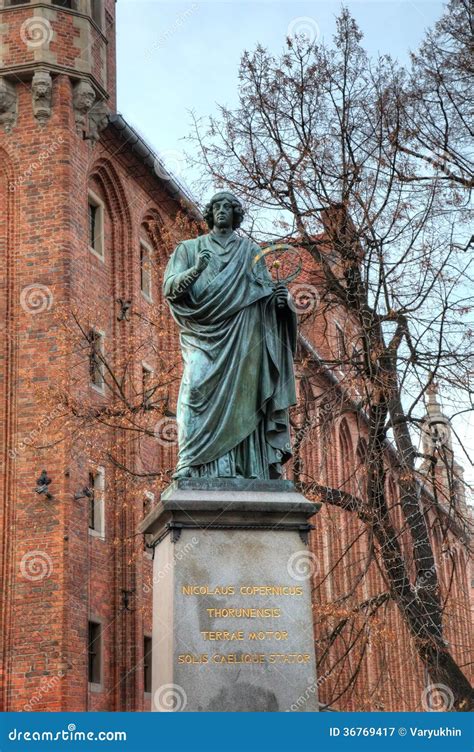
x: 436, y: 127
x: 314, y: 147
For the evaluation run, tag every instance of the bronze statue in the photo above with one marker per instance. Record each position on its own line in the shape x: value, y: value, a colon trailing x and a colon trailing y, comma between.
x: 238, y: 336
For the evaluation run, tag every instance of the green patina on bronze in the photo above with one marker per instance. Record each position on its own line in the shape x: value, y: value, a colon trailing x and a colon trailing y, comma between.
x: 238, y: 337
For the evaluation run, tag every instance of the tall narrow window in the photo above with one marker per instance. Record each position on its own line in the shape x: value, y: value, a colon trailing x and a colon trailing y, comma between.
x: 91, y: 498
x: 96, y: 11
x: 95, y: 652
x: 97, y: 502
x: 340, y: 343
x: 147, y: 389
x: 93, y: 216
x: 147, y: 645
x: 63, y: 3
x: 361, y: 468
x: 145, y: 269
x: 96, y: 359
x: 346, y: 457
x: 148, y: 501
x: 95, y: 209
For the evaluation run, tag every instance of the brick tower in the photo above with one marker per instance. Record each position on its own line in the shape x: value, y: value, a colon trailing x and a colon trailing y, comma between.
x: 78, y: 191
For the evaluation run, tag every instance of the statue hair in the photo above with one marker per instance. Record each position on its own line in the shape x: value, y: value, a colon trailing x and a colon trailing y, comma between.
x: 237, y: 210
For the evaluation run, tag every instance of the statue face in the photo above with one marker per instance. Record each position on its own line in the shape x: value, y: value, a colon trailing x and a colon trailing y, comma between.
x: 223, y: 213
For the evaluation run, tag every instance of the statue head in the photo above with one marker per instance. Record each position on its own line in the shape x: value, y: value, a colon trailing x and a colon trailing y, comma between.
x: 227, y: 198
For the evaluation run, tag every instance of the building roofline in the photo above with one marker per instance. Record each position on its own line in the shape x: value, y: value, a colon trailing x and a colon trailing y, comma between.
x: 155, y: 166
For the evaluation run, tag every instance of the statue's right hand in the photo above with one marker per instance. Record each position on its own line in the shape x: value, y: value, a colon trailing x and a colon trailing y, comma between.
x: 203, y: 259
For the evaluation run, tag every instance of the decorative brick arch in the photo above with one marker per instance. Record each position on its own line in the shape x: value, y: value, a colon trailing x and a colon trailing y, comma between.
x: 152, y: 221
x: 105, y: 174
x: 151, y: 227
x: 121, y: 259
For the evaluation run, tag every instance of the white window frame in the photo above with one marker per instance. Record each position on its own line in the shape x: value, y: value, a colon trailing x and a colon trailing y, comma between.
x: 99, y: 502
x: 95, y: 200
x: 99, y: 388
x: 340, y: 337
x: 151, y: 496
x: 148, y: 296
x: 96, y: 686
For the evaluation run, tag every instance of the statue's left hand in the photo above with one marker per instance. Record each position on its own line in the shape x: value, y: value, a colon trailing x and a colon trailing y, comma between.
x: 281, y: 295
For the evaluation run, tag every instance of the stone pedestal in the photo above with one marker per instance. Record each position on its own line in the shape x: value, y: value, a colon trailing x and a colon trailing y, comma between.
x: 232, y: 617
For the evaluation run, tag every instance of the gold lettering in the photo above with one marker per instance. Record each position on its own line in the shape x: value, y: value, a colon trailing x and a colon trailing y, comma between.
x: 269, y: 635
x: 238, y: 658
x: 223, y: 635
x: 268, y: 590
x: 288, y: 658
x: 244, y: 613
x: 191, y: 659
x: 206, y: 590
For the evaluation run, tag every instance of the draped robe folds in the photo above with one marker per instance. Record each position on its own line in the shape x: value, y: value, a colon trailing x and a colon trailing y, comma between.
x: 237, y: 347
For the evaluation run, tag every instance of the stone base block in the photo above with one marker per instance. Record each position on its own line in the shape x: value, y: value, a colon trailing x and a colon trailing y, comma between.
x: 233, y: 627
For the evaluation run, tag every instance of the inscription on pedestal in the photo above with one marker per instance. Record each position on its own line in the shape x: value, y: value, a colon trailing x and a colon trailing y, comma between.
x: 242, y: 643
x: 249, y: 634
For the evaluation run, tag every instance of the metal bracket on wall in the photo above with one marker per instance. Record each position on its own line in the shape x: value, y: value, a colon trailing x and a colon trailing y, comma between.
x: 42, y: 485
x: 125, y: 306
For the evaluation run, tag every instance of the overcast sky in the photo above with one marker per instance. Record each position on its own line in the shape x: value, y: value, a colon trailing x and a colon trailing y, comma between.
x: 178, y: 56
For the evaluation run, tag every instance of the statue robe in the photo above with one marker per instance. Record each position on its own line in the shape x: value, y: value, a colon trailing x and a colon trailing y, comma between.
x: 238, y: 349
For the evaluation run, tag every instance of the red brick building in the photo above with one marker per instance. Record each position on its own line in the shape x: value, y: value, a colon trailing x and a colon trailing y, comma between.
x: 81, y: 198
